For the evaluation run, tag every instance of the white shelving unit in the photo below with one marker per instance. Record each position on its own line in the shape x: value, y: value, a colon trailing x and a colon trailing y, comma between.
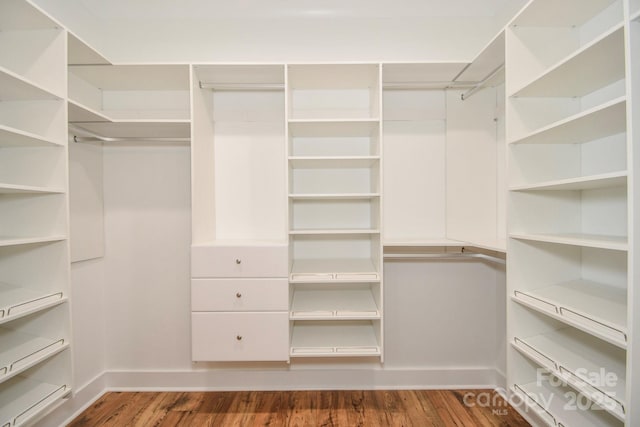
x: 126, y: 101
x: 34, y: 250
x: 239, y: 207
x: 569, y: 276
x: 334, y: 170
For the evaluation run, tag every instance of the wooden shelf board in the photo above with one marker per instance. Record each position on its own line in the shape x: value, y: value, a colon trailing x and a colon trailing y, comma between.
x: 342, y: 265
x: 442, y: 72
x: 346, y: 162
x: 487, y: 61
x: 23, y: 398
x: 79, y: 53
x: 14, y: 87
x: 308, y: 304
x: 79, y: 113
x: 21, y: 15
x: 135, y: 77
x: 329, y: 127
x: 26, y: 189
x: 19, y: 301
x: 595, y: 65
x: 550, y: 13
x: 333, y: 339
x: 597, y: 122
x: 572, y: 350
x: 328, y: 232
x: 606, y: 180
x: 334, y: 196
x: 22, y: 351
x: 15, y: 241
x: 587, y: 240
x: 395, y: 243
x: 11, y: 137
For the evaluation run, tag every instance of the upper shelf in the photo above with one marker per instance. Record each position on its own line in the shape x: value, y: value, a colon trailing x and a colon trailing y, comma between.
x: 21, y: 15
x: 14, y: 87
x: 80, y: 53
x: 597, y: 122
x: 593, y: 66
x: 606, y: 180
x: 553, y: 13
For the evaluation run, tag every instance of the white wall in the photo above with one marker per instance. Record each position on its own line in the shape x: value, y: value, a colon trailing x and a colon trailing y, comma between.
x: 148, y: 238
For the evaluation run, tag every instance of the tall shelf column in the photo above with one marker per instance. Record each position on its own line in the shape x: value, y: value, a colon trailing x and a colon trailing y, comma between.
x: 568, y: 273
x: 35, y: 355
x: 333, y: 124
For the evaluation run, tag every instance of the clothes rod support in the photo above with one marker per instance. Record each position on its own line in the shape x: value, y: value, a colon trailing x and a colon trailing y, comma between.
x: 268, y: 87
x: 104, y: 139
x: 481, y: 83
x: 443, y: 257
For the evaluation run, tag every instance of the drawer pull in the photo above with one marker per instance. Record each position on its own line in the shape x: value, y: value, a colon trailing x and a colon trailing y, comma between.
x: 239, y: 337
x: 238, y: 261
x: 238, y: 295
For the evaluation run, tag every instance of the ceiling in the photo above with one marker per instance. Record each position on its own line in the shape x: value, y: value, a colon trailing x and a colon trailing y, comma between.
x: 176, y: 10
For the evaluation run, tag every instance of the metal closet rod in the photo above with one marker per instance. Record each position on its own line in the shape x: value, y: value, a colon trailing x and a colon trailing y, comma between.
x: 481, y: 83
x: 94, y: 137
x: 269, y: 87
x: 443, y: 256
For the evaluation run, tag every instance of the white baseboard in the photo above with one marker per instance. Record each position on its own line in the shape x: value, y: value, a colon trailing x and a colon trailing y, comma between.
x: 298, y: 379
x: 82, y: 398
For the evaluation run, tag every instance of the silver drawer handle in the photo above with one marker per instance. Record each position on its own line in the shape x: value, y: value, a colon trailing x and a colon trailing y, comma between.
x: 239, y: 337
x: 238, y: 261
x: 238, y: 295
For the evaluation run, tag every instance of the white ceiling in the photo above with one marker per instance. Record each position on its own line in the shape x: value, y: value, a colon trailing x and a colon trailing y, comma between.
x: 176, y: 10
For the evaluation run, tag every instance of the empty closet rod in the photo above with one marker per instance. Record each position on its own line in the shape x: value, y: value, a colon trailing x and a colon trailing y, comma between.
x: 94, y: 137
x: 426, y: 85
x: 268, y: 87
x: 437, y: 257
x: 481, y: 83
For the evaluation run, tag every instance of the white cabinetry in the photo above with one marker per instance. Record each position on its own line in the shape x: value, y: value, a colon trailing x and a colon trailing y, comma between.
x: 239, y: 257
x: 334, y: 174
x: 35, y: 360
x: 568, y: 273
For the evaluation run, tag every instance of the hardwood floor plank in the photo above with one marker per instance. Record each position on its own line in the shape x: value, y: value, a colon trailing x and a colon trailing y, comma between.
x: 333, y: 408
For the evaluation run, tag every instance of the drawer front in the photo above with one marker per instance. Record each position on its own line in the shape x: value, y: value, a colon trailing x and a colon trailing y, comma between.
x: 239, y: 295
x: 239, y: 261
x: 228, y: 337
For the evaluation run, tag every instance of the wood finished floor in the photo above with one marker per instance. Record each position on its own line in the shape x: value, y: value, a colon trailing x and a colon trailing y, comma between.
x: 301, y: 408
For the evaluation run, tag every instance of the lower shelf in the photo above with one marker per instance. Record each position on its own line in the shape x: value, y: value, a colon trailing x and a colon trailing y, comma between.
x: 21, y: 351
x: 562, y: 407
x: 593, y: 307
x: 21, y: 399
x: 333, y: 304
x: 18, y: 301
x: 592, y: 367
x: 334, y: 339
x: 328, y: 270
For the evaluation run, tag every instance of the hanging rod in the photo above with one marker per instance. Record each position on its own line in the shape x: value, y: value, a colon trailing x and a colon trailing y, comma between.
x: 268, y: 87
x: 481, y: 83
x: 94, y: 137
x: 426, y: 85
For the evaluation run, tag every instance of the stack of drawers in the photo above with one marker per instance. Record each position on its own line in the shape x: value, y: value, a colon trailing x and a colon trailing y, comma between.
x: 239, y: 303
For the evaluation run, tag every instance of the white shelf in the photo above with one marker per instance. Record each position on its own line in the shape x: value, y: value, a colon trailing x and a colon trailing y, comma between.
x: 595, y: 308
x: 139, y: 128
x: 21, y: 399
x: 605, y: 180
x: 14, y: 87
x: 594, y: 123
x: 27, y: 189
x: 595, y: 65
x: 324, y: 304
x: 134, y: 77
x: 17, y: 301
x: 554, y: 406
x: 568, y: 13
x: 16, y: 241
x: 333, y: 339
x: 10, y: 137
x: 22, y: 351
x: 314, y: 270
x: 350, y: 162
x: 335, y: 196
x: 615, y: 243
x: 328, y: 232
x: 579, y: 359
x: 333, y: 126
x: 635, y: 17
x: 423, y: 243
x: 81, y: 113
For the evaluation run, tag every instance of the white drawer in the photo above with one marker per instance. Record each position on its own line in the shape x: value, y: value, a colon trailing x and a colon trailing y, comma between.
x: 227, y: 337
x: 240, y: 261
x: 239, y: 295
